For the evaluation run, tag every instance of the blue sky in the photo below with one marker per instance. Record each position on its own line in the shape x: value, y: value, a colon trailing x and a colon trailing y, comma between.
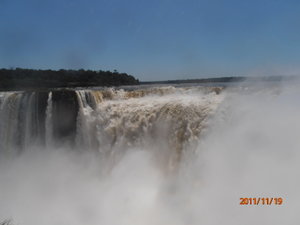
x: 153, y: 39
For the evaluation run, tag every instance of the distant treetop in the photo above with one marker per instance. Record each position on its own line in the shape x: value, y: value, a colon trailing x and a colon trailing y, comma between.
x: 14, y: 79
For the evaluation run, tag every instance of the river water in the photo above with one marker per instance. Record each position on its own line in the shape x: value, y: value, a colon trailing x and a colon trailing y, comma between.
x: 153, y: 155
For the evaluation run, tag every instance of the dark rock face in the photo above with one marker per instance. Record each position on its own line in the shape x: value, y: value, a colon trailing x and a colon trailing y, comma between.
x: 41, y: 98
x: 65, y: 111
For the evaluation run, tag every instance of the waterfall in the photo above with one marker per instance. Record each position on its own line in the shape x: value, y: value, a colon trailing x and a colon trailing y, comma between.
x: 84, y: 134
x: 49, y: 122
x: 153, y: 155
x: 22, y: 120
x: 107, y: 121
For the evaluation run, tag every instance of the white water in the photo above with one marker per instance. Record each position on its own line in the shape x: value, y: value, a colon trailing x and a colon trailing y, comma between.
x: 177, y: 156
x: 49, y: 122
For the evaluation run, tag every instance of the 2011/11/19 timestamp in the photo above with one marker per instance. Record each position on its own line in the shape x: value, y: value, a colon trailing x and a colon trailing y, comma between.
x: 261, y: 201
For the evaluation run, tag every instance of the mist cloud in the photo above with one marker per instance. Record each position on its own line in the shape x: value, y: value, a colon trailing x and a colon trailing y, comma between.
x: 250, y: 149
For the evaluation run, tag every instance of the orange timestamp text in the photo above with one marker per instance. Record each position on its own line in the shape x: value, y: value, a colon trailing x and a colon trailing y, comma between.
x: 261, y: 201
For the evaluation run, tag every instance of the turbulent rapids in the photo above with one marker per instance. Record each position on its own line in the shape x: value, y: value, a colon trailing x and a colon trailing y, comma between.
x: 150, y: 155
x: 108, y: 121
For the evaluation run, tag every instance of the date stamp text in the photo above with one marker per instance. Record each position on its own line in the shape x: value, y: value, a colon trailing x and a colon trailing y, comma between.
x: 261, y: 201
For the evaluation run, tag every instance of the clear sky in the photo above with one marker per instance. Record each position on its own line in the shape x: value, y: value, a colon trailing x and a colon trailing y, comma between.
x: 153, y: 39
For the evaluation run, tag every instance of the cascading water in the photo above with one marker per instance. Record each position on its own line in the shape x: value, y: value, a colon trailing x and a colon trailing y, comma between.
x: 22, y: 120
x: 107, y: 121
x: 49, y: 122
x: 152, y: 156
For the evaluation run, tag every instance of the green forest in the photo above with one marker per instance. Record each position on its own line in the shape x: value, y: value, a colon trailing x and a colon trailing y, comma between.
x: 19, y: 79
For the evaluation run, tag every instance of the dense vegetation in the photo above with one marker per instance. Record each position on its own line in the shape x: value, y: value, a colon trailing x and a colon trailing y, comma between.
x: 18, y: 79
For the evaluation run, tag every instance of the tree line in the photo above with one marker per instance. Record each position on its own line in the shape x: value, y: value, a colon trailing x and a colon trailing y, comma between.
x: 18, y: 79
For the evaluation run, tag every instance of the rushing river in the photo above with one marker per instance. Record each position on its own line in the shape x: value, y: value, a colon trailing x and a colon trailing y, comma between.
x: 152, y: 155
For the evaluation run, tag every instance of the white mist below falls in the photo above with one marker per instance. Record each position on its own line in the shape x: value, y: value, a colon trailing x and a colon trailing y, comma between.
x: 182, y: 156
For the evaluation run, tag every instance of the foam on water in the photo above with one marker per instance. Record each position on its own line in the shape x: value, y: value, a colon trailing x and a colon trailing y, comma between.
x: 156, y: 156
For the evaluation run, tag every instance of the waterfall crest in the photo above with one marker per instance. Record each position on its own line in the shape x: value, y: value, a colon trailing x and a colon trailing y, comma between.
x: 106, y: 121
